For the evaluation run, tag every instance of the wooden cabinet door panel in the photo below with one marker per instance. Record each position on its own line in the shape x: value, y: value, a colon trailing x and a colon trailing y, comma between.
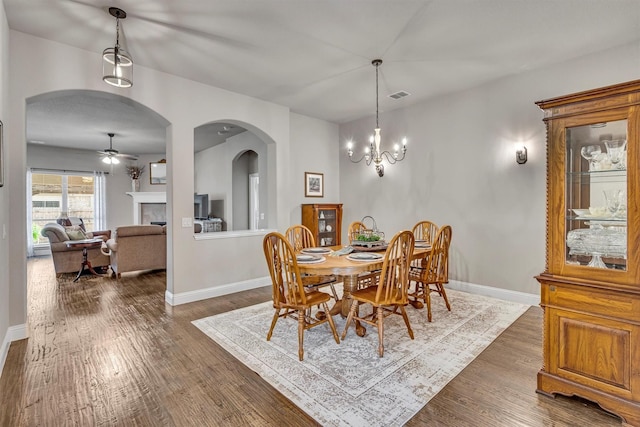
x: 595, y: 352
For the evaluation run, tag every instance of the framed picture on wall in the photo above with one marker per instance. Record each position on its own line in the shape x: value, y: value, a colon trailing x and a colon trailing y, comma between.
x: 313, y: 184
x: 158, y: 172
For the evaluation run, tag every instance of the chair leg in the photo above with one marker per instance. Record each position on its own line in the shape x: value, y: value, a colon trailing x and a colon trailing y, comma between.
x: 406, y: 320
x: 276, y: 315
x: 442, y: 292
x: 380, y: 316
x: 301, y: 322
x: 333, y: 292
x: 330, y: 320
x: 352, y: 313
x: 427, y: 300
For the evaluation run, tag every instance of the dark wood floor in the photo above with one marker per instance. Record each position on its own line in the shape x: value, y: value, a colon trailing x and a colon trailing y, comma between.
x: 106, y: 352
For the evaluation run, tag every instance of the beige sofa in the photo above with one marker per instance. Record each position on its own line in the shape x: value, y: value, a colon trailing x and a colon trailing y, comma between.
x: 69, y: 260
x: 138, y: 247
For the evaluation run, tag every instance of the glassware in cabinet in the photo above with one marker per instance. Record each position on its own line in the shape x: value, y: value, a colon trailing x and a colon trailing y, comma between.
x: 324, y: 221
x: 596, y: 195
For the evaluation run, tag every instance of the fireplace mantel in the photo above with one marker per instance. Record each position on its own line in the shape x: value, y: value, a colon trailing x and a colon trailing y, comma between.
x: 141, y: 197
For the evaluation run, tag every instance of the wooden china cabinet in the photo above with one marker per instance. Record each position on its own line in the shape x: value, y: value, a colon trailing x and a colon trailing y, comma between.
x: 324, y: 221
x: 590, y: 289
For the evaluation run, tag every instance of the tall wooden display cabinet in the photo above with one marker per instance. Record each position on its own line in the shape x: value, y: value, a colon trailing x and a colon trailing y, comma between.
x: 590, y: 289
x: 324, y: 221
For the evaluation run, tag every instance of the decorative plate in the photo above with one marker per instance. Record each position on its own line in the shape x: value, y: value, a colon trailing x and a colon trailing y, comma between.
x: 364, y: 256
x: 309, y: 259
x: 316, y: 251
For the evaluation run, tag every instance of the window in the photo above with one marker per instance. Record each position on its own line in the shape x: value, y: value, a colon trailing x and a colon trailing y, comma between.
x: 52, y: 194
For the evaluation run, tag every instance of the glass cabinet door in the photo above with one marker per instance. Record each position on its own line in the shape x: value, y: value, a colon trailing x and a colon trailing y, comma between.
x: 327, y: 227
x: 596, y: 195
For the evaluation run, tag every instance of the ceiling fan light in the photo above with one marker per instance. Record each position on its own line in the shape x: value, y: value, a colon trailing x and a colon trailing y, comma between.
x: 111, y: 160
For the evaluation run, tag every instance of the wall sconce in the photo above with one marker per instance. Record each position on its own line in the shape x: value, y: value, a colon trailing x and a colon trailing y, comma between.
x: 521, y: 154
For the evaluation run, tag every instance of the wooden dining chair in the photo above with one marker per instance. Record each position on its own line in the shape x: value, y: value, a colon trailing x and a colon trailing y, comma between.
x: 390, y: 296
x: 355, y: 228
x: 425, y: 230
x: 433, y: 274
x: 300, y: 238
x: 290, y: 299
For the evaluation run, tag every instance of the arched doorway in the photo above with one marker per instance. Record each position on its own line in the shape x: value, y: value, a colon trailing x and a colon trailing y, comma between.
x: 66, y: 131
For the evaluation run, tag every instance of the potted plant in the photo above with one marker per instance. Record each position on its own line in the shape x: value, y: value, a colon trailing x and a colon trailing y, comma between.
x: 134, y: 172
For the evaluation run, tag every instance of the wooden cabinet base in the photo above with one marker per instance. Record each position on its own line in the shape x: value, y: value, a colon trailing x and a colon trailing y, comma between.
x: 629, y: 411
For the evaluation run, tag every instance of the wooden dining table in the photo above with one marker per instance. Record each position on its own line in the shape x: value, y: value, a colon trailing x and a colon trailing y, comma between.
x: 349, y: 271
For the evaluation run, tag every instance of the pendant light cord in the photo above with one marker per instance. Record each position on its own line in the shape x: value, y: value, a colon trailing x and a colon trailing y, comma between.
x: 377, y: 65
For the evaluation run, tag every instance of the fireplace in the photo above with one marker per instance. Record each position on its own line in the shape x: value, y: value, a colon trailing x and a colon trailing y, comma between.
x: 149, y: 207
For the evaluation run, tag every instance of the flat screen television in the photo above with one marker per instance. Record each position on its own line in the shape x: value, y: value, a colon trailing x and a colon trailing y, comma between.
x: 201, y: 206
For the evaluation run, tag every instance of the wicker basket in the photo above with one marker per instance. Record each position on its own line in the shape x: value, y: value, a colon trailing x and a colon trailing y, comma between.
x: 369, y: 232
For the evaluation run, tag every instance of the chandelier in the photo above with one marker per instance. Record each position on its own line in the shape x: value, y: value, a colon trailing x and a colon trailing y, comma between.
x: 117, y: 65
x: 372, y: 153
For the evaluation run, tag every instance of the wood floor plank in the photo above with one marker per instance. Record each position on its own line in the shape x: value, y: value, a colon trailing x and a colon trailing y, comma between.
x: 106, y: 352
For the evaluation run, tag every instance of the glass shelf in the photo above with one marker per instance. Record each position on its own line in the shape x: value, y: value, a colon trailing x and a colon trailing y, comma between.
x: 596, y: 196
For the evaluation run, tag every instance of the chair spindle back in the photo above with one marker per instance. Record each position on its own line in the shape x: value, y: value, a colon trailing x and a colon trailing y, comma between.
x: 283, y: 269
x: 393, y: 287
x: 425, y: 230
x: 300, y: 237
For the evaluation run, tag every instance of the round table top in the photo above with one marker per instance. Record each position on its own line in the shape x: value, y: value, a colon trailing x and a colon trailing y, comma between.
x: 343, y: 266
x: 85, y: 243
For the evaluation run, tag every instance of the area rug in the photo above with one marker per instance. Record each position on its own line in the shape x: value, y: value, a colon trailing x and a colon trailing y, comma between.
x: 347, y: 384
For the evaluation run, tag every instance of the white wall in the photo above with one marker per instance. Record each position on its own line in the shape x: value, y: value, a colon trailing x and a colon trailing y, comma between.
x: 314, y: 148
x: 7, y: 315
x: 461, y: 170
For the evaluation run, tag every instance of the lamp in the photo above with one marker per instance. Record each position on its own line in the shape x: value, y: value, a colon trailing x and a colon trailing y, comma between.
x: 117, y: 65
x: 521, y: 154
x: 373, y: 153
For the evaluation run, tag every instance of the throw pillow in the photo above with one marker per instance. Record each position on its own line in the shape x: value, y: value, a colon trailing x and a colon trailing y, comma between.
x: 75, y: 233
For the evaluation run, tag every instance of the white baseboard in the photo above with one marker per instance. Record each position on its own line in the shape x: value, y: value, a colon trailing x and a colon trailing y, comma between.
x: 216, y: 291
x: 230, y: 288
x: 14, y: 333
x: 489, y: 291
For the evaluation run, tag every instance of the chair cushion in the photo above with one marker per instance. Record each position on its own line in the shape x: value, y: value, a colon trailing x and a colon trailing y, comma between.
x: 75, y: 233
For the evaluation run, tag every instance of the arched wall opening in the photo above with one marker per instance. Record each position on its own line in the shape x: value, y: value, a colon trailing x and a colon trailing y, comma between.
x: 226, y: 169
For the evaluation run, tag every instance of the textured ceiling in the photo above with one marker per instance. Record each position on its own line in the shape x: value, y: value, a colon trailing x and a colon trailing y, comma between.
x: 315, y: 56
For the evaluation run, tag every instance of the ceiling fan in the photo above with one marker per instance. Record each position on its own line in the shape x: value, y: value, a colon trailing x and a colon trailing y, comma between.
x: 111, y: 154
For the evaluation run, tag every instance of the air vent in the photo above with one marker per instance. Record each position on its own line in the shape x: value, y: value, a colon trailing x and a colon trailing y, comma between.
x: 399, y: 95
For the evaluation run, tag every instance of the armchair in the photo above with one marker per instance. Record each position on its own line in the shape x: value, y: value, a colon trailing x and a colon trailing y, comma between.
x: 69, y: 260
x: 138, y: 247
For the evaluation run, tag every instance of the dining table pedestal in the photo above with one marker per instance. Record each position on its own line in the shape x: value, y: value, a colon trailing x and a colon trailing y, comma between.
x: 350, y: 285
x: 349, y: 271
